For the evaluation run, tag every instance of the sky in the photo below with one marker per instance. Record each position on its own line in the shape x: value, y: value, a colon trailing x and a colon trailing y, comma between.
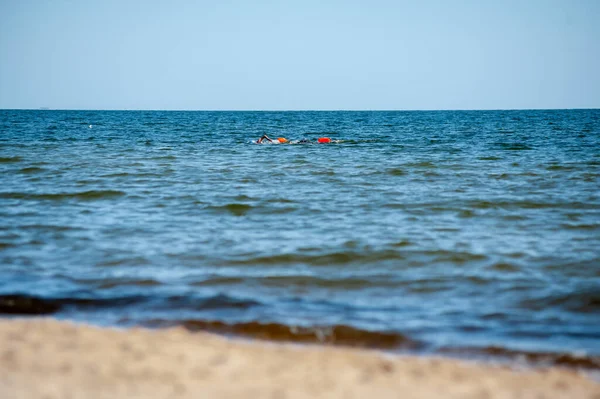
x: 299, y: 55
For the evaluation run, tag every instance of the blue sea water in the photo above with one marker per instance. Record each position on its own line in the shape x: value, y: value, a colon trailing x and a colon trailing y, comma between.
x: 453, y: 230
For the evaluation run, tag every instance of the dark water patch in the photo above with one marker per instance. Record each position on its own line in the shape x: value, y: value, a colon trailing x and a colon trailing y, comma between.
x: 402, y: 243
x: 396, y: 172
x: 5, y: 245
x: 489, y: 158
x: 49, y: 227
x: 109, y: 283
x: 583, y: 300
x: 560, y: 167
x: 123, y: 261
x: 324, y: 173
x: 281, y: 210
x: 352, y: 283
x: 219, y: 301
x: 26, y: 305
x: 236, y: 209
x: 455, y: 257
x: 218, y: 281
x: 282, y: 200
x: 119, y: 174
x: 243, y: 197
x: 10, y: 159
x: 32, y: 305
x: 334, y: 258
x: 580, y: 226
x: 508, y: 205
x: 514, y: 146
x: 422, y: 165
x: 514, y: 217
x: 504, y: 267
x: 587, y: 177
x: 540, y: 359
x: 340, y: 335
x: 466, y: 213
x: 31, y: 170
x: 84, y: 196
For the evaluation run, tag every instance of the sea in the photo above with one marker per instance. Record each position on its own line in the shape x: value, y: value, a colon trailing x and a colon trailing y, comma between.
x: 458, y: 233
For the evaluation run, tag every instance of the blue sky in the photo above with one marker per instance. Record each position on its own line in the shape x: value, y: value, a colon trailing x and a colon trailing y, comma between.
x: 273, y: 55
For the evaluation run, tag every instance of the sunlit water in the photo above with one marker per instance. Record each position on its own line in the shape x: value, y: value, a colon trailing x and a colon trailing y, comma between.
x: 451, y: 229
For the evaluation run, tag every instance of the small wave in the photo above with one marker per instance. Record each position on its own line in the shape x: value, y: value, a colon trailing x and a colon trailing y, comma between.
x: 219, y: 301
x: 48, y: 227
x: 118, y: 174
x: 5, y: 245
x: 571, y: 360
x: 580, y: 226
x: 489, y: 158
x: 402, y: 243
x: 483, y: 204
x: 215, y: 281
x: 113, y: 283
x: 85, y: 195
x: 32, y: 305
x: 442, y: 255
x: 585, y: 300
x: 236, y: 209
x: 335, y: 258
x: 341, y: 335
x: 243, y: 197
x: 466, y: 213
x: 560, y: 167
x: 514, y: 146
x: 31, y: 170
x: 422, y: 164
x: 350, y: 283
x: 24, y: 304
x: 10, y: 159
x: 504, y: 267
x: 124, y: 261
x: 396, y: 172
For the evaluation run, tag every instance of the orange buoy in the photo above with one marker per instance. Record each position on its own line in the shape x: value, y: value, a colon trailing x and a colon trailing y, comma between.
x: 324, y: 140
x: 281, y: 140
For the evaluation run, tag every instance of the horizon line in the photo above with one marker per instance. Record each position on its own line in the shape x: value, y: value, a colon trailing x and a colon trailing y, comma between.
x: 296, y: 110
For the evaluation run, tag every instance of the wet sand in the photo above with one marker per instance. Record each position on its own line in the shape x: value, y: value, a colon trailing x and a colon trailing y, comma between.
x: 45, y: 358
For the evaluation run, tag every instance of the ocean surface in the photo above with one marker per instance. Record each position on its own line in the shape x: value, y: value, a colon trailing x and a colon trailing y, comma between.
x: 459, y: 232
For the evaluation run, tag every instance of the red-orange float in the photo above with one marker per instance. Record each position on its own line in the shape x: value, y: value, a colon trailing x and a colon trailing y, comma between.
x: 324, y: 140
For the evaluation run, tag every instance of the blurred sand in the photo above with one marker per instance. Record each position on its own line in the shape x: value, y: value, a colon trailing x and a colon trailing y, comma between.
x: 44, y: 358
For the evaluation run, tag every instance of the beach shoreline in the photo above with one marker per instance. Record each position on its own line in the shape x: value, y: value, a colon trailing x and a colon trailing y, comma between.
x: 46, y: 358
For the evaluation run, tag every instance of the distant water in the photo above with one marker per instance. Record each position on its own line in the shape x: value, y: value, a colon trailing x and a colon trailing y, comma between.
x: 447, y: 232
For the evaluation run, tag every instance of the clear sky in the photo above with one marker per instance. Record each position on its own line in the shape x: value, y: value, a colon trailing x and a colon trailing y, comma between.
x: 304, y: 54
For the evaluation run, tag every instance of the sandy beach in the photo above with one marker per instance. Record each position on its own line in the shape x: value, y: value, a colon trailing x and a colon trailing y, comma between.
x: 45, y: 358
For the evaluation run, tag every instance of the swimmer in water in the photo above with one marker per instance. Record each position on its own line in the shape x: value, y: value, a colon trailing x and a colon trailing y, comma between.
x: 284, y: 140
x: 263, y: 138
